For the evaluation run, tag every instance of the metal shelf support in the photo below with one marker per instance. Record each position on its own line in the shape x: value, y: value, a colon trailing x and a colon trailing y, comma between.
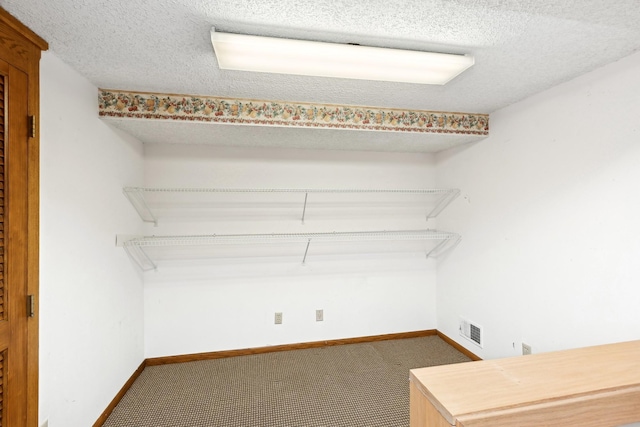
x: 137, y: 199
x: 304, y: 208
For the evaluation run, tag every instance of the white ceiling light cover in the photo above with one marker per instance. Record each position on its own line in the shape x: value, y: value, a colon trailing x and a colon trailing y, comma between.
x: 307, y: 58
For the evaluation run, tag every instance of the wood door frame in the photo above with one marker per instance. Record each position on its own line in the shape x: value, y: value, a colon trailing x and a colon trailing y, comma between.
x: 22, y: 48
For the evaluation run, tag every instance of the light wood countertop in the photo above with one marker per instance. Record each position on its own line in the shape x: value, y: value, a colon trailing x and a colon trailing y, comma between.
x: 468, y: 393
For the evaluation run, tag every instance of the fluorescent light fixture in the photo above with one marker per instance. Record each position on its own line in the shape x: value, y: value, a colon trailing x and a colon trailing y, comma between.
x: 307, y: 58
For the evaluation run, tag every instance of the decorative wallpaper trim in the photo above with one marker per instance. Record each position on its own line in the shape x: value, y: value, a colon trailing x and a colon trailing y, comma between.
x: 141, y: 105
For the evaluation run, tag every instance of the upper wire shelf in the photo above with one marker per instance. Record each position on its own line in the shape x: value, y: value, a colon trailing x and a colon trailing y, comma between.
x: 144, y: 250
x: 149, y: 202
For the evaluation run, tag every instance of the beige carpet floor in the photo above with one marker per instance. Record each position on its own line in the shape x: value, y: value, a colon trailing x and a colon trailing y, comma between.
x: 356, y: 385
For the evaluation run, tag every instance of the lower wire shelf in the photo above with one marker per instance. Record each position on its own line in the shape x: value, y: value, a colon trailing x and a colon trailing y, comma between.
x: 145, y: 251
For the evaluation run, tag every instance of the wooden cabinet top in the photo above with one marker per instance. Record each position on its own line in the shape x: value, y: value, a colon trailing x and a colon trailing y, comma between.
x: 466, y: 391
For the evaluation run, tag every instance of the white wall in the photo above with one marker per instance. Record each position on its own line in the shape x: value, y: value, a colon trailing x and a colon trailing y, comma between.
x: 91, y: 299
x: 549, y: 219
x: 230, y: 304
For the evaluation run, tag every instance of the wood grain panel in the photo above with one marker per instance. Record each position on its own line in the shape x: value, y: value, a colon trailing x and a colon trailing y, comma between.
x: 2, y: 199
x: 422, y: 413
x: 522, y: 380
x: 609, y: 409
x: 16, y: 232
x: 587, y: 387
x: 3, y: 356
x: 19, y: 45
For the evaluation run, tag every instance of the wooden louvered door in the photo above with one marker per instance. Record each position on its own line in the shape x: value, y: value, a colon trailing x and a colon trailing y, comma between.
x: 20, y: 50
x: 13, y: 245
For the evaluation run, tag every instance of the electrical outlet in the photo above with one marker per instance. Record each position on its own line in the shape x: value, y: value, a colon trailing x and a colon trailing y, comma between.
x: 526, y: 349
x: 319, y: 315
x: 278, y: 319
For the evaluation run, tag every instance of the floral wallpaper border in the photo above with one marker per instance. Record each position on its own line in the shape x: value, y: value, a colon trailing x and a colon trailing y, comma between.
x: 276, y: 113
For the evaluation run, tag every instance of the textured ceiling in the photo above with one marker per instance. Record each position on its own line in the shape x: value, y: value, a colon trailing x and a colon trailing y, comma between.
x: 520, y: 47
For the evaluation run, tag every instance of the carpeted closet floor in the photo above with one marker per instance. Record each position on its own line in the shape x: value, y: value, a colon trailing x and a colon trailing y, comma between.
x: 355, y: 385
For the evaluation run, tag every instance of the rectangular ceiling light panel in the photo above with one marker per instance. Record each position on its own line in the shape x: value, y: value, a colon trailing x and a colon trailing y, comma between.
x: 307, y: 58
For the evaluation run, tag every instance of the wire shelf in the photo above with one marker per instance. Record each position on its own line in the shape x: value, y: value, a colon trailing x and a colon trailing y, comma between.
x: 140, y: 197
x: 138, y: 247
x: 283, y: 190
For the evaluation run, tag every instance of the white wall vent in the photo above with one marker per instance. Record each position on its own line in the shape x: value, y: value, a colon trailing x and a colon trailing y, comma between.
x: 471, y: 331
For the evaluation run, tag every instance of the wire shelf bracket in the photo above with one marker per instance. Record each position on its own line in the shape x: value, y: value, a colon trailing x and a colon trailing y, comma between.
x: 137, y: 199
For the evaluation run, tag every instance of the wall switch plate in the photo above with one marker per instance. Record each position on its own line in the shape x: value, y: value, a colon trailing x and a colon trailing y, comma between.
x: 526, y: 349
x: 319, y: 315
x: 278, y: 319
